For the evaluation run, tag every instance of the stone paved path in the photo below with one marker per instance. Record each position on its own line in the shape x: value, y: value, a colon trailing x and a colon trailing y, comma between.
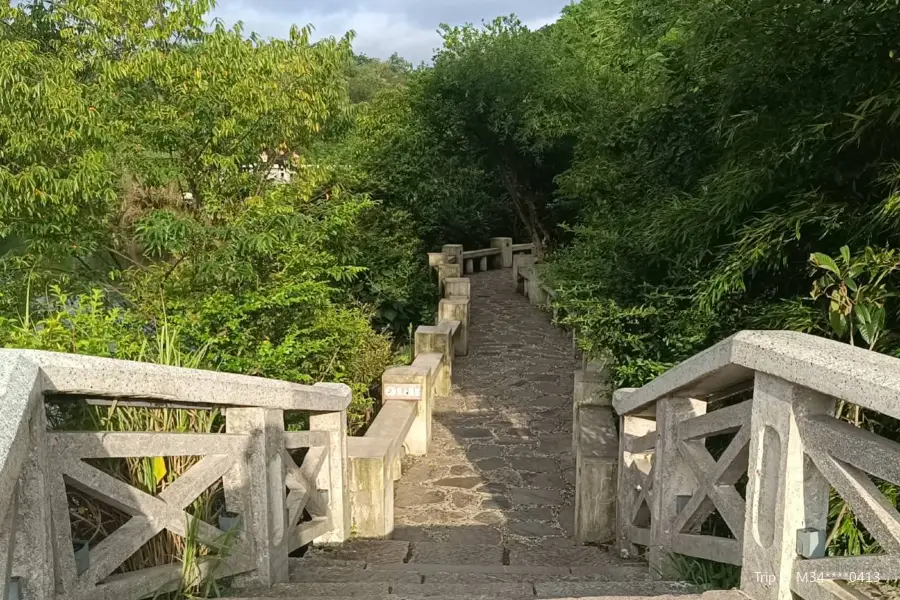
x: 500, y: 469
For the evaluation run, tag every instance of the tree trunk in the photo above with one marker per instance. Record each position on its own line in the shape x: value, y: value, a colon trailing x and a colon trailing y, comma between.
x: 526, y: 210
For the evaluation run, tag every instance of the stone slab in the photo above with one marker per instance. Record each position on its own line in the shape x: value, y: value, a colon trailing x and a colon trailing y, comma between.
x: 495, y: 590
x: 430, y: 569
x: 369, y: 551
x: 468, y: 554
x: 319, y: 560
x: 570, y: 556
x: 533, y: 529
x: 339, y: 575
x: 534, y: 575
x: 354, y: 589
x: 534, y: 464
x: 414, y: 497
x: 567, y: 589
x: 526, y: 496
x: 459, y: 482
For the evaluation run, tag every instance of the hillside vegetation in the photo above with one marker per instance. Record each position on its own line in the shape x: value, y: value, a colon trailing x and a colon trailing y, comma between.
x: 687, y: 169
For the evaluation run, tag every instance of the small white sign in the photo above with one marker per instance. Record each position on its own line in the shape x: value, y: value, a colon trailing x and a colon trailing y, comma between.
x: 403, y: 391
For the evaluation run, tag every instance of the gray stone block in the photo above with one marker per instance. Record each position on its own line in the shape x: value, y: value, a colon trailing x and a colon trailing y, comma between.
x: 341, y: 575
x: 567, y: 589
x: 369, y: 551
x: 494, y: 590
x: 442, y: 553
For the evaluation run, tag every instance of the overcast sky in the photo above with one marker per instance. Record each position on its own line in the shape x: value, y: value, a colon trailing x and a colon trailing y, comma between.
x: 382, y: 26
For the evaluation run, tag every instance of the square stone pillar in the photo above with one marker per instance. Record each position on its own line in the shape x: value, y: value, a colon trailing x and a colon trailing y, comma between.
x: 336, y: 477
x: 595, y: 476
x: 372, y: 488
x: 506, y: 255
x: 596, y: 447
x: 30, y: 514
x: 785, y: 491
x: 445, y: 272
x: 411, y: 384
x: 454, y: 253
x: 592, y: 387
x: 262, y: 472
x: 439, y: 340
x: 671, y: 478
x: 634, y: 468
x: 457, y: 287
x: 520, y: 261
x: 457, y: 309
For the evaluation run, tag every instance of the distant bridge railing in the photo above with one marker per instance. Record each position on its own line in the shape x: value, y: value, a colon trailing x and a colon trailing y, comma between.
x: 280, y: 505
x: 772, y: 395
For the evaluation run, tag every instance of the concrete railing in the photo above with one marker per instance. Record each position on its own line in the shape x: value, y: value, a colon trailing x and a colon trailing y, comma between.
x: 499, y: 256
x: 774, y: 393
x: 403, y: 424
x: 267, y: 491
x: 528, y: 281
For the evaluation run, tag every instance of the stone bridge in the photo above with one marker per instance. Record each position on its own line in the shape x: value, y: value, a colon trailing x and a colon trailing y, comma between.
x: 500, y: 465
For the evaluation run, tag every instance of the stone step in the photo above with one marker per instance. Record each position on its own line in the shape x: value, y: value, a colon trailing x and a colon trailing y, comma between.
x: 555, y: 589
x: 584, y: 589
x: 422, y: 573
x: 298, y: 593
x: 301, y: 596
x: 359, y: 553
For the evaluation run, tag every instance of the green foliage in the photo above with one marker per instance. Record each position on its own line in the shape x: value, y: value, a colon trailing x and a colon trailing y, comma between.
x: 856, y: 292
x: 392, y: 153
x: 706, y: 574
x: 134, y: 192
x: 369, y: 76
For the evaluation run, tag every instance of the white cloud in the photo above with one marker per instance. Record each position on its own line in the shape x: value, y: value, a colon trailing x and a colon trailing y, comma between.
x: 408, y: 27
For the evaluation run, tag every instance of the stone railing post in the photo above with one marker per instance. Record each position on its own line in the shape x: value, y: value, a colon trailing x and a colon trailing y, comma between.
x: 470, y: 266
x: 671, y: 478
x: 457, y: 309
x: 28, y: 522
x: 36, y: 533
x: 372, y: 487
x: 457, y: 287
x: 505, y: 260
x: 785, y: 491
x: 596, y: 452
x: 257, y: 490
x: 454, y: 253
x: 435, y: 259
x: 411, y: 384
x: 520, y: 261
x: 438, y: 340
x: 634, y: 479
x: 336, y: 477
x: 536, y: 294
x: 445, y: 272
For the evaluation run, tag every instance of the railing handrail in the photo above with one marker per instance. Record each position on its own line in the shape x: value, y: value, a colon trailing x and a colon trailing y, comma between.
x: 34, y: 463
x: 482, y: 253
x: 849, y: 373
x: 108, y: 377
x: 18, y: 400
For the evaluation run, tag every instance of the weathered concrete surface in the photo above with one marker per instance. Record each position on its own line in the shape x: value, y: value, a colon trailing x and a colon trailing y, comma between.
x: 500, y: 470
x: 832, y: 368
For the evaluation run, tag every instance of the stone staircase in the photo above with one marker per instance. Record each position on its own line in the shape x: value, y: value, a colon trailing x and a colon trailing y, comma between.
x: 398, y: 569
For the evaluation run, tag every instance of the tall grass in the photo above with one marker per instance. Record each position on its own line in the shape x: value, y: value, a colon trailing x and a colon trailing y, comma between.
x: 706, y: 574
x: 92, y: 520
